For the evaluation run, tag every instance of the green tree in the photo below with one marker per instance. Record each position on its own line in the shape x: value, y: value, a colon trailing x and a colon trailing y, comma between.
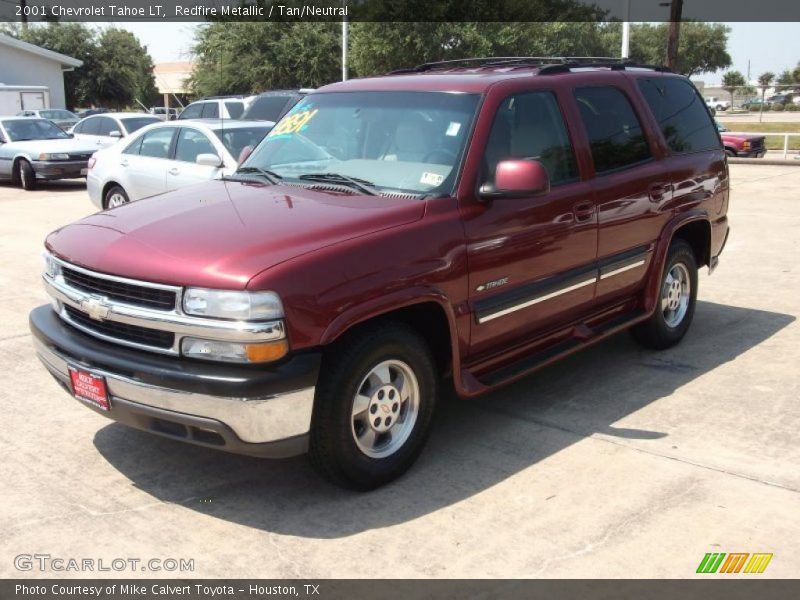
x: 73, y: 39
x: 731, y: 81
x: 249, y: 57
x: 701, y: 49
x: 124, y: 72
x: 764, y: 81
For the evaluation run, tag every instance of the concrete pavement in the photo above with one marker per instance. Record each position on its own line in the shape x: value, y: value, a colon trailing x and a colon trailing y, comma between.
x: 617, y: 462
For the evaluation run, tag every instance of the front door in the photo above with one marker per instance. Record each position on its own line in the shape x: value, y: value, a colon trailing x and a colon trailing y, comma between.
x: 145, y: 163
x: 531, y: 259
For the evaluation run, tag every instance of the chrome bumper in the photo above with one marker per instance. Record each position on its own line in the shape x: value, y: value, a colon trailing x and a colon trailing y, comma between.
x: 253, y: 420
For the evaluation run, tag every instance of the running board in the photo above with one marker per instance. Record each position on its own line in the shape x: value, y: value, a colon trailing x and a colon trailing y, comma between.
x: 583, y: 336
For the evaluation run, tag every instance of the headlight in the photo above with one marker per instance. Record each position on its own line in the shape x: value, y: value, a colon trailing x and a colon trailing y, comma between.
x: 233, y: 351
x: 53, y: 156
x: 52, y: 267
x: 223, y: 304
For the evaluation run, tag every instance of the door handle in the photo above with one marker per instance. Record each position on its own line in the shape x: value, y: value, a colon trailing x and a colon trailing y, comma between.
x: 583, y: 211
x: 174, y: 171
x: 656, y: 191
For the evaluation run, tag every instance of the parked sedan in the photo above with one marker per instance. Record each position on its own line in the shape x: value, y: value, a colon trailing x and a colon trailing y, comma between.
x: 168, y: 156
x: 63, y: 118
x: 109, y: 128
x: 33, y: 149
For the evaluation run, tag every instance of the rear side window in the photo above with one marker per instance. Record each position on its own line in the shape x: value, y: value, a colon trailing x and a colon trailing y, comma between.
x: 210, y: 111
x: 192, y: 111
x: 615, y: 134
x: 235, y: 109
x: 531, y: 126
x: 681, y: 113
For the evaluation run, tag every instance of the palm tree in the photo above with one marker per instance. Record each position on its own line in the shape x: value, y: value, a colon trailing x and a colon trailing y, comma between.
x: 731, y: 81
x: 764, y: 81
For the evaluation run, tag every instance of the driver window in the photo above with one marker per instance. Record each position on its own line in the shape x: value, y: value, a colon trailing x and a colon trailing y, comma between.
x: 531, y: 126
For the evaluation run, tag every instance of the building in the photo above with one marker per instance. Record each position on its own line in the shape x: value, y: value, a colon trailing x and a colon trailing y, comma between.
x: 172, y: 81
x: 24, y: 64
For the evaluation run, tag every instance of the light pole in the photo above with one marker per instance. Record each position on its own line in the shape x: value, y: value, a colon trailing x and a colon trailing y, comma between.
x: 345, y: 32
x: 626, y: 29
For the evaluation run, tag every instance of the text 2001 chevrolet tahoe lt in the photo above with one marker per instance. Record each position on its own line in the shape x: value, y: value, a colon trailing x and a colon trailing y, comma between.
x: 477, y: 220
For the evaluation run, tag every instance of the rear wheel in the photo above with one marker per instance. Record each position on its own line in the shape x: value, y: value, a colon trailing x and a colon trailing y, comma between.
x: 115, y: 196
x: 673, y: 315
x: 373, y: 406
x: 26, y: 175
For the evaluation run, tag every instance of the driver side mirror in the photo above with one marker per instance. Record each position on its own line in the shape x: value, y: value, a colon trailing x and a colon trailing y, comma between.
x: 208, y: 160
x: 115, y: 134
x: 517, y: 178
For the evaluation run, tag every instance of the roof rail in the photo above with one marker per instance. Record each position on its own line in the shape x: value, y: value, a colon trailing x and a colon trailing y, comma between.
x: 545, y: 64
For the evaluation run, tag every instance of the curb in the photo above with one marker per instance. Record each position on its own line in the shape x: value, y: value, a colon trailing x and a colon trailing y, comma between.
x: 764, y: 161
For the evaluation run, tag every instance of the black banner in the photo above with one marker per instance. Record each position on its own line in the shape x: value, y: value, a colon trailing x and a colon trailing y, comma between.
x: 324, y: 589
x: 394, y: 10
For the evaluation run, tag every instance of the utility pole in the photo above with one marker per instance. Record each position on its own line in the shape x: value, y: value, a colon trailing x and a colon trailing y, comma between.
x: 675, y: 11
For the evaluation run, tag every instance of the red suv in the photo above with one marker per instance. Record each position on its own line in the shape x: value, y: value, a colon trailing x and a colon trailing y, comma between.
x: 468, y: 221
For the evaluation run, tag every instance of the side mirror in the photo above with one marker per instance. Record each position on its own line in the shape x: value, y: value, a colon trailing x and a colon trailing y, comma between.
x: 208, y: 160
x: 517, y: 178
x: 115, y: 134
x: 245, y: 154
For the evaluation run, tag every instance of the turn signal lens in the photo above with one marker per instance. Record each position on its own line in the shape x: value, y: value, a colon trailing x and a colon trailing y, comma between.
x: 234, y: 352
x: 267, y: 352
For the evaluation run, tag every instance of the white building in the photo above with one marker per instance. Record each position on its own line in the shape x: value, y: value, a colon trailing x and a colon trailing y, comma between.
x: 24, y: 64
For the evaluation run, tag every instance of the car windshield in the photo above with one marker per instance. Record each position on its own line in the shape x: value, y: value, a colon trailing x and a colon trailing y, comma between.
x: 20, y: 130
x: 408, y: 142
x: 56, y: 114
x: 236, y: 140
x: 135, y: 123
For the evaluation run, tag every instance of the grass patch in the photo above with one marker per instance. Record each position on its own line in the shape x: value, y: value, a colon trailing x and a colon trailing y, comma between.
x: 772, y: 142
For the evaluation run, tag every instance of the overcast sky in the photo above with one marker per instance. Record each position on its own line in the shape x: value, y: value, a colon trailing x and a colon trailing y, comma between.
x: 768, y: 46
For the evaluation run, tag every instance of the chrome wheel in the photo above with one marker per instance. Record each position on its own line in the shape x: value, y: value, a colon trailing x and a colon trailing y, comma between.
x: 675, y: 295
x: 385, y: 409
x: 116, y: 199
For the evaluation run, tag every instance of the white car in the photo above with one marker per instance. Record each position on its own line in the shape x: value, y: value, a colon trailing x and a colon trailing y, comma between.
x: 109, y: 128
x: 717, y: 104
x: 217, y: 107
x: 167, y: 156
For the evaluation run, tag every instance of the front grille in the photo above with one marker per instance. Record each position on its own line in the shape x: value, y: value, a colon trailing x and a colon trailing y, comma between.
x: 136, y: 295
x: 80, y: 156
x: 122, y: 331
x: 756, y: 143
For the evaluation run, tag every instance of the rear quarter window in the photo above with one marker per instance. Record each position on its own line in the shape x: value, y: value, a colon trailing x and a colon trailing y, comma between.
x: 681, y: 114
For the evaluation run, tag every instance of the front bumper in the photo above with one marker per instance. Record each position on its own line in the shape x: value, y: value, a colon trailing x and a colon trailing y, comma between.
x: 756, y: 153
x: 60, y: 169
x: 242, y: 409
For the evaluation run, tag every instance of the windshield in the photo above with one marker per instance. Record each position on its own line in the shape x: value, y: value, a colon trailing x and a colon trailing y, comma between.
x: 33, y: 129
x: 236, y: 140
x: 135, y: 123
x: 407, y: 142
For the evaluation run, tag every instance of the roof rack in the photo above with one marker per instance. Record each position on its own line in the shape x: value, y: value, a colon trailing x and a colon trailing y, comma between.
x: 545, y: 64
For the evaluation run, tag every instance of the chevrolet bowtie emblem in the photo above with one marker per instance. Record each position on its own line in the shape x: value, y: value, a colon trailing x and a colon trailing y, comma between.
x: 95, y: 308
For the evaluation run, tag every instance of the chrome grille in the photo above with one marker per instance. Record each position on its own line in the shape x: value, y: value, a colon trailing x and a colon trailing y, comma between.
x: 136, y: 295
x: 122, y: 331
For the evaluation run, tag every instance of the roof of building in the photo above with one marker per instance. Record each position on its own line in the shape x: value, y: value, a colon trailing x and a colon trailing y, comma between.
x: 62, y: 59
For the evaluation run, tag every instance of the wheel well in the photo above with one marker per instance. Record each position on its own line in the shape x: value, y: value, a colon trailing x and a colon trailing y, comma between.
x: 698, y: 236
x: 427, y: 319
x: 106, y: 188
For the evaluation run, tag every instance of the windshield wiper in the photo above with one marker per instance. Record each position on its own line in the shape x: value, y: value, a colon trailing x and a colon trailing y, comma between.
x: 270, y: 176
x: 362, y: 185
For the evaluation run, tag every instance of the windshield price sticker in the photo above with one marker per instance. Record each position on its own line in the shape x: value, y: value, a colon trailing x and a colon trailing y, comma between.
x: 293, y: 123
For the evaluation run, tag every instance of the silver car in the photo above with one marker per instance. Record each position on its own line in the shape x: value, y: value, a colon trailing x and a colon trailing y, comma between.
x: 33, y: 149
x: 168, y: 156
x: 63, y: 118
x: 109, y: 128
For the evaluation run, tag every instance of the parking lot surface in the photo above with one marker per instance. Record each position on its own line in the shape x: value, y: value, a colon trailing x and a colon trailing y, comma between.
x: 616, y: 462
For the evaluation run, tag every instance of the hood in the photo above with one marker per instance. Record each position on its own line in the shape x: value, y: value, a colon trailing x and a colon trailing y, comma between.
x: 69, y: 145
x: 220, y: 234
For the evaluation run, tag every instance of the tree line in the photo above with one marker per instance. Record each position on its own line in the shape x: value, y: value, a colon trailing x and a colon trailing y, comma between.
x: 248, y: 57
x: 117, y: 69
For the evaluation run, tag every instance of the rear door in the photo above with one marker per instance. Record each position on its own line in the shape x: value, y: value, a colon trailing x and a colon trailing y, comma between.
x: 145, y: 163
x: 531, y: 259
x: 184, y: 170
x: 631, y: 185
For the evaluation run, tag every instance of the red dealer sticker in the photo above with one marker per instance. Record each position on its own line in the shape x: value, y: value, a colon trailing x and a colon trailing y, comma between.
x: 89, y: 388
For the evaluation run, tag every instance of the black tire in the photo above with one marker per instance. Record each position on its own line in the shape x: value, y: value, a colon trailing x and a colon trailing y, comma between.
x: 26, y: 175
x: 115, y: 190
x: 730, y: 153
x: 656, y: 333
x: 334, y: 451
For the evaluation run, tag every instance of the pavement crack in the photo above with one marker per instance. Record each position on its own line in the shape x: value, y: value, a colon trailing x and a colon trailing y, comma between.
x: 14, y: 337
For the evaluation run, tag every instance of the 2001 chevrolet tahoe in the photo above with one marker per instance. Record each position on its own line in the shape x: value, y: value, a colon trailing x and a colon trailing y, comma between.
x: 475, y: 219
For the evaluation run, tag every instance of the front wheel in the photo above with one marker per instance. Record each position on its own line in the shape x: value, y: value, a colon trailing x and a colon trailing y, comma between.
x: 26, y: 175
x: 373, y: 406
x: 673, y: 314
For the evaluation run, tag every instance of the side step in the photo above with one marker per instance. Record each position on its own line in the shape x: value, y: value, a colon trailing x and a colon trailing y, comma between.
x: 583, y: 336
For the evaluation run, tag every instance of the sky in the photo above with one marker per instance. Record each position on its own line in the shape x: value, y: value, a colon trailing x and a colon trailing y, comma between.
x: 768, y: 46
